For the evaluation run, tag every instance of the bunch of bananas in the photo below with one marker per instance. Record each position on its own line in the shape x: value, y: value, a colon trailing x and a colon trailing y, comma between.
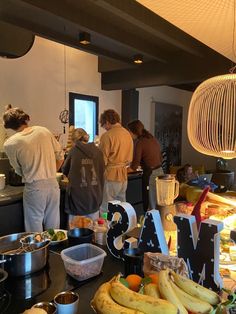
x: 172, y: 295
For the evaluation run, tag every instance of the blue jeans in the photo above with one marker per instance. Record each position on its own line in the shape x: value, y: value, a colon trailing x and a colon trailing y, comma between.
x: 113, y: 191
x: 41, y: 201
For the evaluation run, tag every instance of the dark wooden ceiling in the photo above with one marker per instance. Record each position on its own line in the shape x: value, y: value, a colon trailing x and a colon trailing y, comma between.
x: 119, y: 30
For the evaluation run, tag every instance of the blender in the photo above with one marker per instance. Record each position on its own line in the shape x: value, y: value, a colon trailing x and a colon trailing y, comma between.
x: 167, y: 189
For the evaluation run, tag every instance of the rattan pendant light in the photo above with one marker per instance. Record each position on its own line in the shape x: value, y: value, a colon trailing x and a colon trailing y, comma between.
x: 212, y: 117
x: 211, y: 121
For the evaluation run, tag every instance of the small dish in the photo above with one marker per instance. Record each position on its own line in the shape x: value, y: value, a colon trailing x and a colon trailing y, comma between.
x: 59, y: 241
x: 80, y: 236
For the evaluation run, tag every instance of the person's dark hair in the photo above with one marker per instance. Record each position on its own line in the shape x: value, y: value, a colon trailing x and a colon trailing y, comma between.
x: 186, y: 166
x: 180, y: 175
x: 110, y: 116
x: 137, y: 128
x: 14, y: 118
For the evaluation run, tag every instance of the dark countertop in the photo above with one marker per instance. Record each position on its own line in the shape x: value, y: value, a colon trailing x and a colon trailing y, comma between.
x: 22, y: 292
x: 111, y: 267
x: 11, y: 194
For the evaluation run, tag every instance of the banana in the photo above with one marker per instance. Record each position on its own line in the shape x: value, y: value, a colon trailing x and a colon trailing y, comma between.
x: 104, y: 304
x: 151, y: 289
x: 195, y: 289
x: 191, y: 303
x: 136, y: 301
x: 167, y: 291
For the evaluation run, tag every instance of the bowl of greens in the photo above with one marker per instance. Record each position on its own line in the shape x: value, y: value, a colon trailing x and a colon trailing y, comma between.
x: 56, y: 235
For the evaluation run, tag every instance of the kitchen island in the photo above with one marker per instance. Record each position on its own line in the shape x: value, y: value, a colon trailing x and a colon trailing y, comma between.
x: 11, y: 210
x: 11, y: 204
x: 23, y: 292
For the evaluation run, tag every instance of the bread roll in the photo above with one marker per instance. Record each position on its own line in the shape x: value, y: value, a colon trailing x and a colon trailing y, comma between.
x: 35, y: 310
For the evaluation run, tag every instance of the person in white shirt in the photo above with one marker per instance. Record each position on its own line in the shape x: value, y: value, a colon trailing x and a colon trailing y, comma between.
x: 35, y: 155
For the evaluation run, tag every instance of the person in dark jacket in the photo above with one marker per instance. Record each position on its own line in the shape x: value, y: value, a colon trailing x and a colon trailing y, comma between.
x: 84, y: 167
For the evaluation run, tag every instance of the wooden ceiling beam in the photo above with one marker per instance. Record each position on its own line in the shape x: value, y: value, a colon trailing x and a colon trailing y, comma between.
x: 187, y: 71
x: 93, y: 17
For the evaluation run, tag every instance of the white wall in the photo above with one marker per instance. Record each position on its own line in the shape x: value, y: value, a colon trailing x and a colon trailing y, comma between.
x: 174, y: 96
x: 35, y: 82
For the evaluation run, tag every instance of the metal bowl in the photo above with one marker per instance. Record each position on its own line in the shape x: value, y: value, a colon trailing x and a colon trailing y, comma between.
x: 20, y: 263
x: 49, y: 307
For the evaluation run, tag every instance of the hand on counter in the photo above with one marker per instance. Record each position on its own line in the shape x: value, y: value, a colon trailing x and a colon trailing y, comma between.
x: 130, y: 170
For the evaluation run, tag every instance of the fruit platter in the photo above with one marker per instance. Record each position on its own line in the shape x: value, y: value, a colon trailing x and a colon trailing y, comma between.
x: 165, y: 292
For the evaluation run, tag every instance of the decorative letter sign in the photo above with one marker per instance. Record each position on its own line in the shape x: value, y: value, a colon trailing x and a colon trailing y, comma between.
x: 201, y: 250
x: 126, y: 223
x: 152, y: 238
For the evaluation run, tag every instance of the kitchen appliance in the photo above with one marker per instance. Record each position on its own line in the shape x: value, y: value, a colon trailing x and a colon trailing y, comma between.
x: 21, y: 263
x: 167, y: 189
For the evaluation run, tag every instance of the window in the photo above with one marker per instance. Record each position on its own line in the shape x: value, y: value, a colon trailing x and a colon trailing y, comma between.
x: 84, y: 113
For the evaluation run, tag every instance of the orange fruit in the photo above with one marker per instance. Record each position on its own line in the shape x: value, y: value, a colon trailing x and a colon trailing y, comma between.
x: 154, y: 277
x: 134, y: 282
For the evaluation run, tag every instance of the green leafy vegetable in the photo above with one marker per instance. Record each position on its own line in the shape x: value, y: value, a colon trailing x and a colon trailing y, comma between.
x: 51, y: 232
x: 56, y: 235
x: 124, y: 282
x: 60, y: 235
x: 144, y: 281
x: 226, y: 305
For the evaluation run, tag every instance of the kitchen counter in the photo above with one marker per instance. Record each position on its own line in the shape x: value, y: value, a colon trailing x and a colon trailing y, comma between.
x: 23, y: 292
x: 133, y: 195
x: 11, y: 210
x: 11, y: 194
x: 11, y: 204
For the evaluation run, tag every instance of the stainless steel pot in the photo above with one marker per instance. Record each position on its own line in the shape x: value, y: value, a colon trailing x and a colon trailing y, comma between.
x: 24, y: 263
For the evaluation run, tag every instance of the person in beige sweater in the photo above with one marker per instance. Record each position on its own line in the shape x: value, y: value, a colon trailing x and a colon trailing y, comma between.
x: 35, y: 155
x: 117, y: 147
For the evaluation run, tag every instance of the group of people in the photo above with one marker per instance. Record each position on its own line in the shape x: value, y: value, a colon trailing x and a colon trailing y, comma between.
x: 96, y: 175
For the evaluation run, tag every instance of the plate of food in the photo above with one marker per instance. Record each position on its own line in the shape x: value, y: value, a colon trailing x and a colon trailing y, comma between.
x: 56, y: 235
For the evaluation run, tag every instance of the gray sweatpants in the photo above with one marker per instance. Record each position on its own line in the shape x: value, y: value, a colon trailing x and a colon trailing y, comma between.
x: 41, y: 201
x: 113, y: 191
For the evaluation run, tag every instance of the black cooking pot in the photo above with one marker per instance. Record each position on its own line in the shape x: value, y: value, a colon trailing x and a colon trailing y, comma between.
x: 80, y: 235
x: 3, y: 277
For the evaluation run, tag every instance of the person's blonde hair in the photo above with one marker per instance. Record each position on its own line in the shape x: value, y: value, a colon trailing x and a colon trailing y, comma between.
x: 79, y: 134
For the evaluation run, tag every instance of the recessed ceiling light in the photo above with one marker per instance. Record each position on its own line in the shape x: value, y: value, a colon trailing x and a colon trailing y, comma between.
x: 84, y: 38
x: 138, y: 59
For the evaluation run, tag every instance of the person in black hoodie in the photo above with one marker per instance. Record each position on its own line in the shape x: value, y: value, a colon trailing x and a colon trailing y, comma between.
x: 84, y: 167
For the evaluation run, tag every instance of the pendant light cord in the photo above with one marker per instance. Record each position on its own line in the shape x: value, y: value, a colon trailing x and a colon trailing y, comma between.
x: 232, y: 70
x: 65, y: 74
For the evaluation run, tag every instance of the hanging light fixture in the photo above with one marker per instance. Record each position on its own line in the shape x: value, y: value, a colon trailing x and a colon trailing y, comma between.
x: 84, y: 38
x: 64, y: 114
x: 138, y: 59
x: 211, y: 121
